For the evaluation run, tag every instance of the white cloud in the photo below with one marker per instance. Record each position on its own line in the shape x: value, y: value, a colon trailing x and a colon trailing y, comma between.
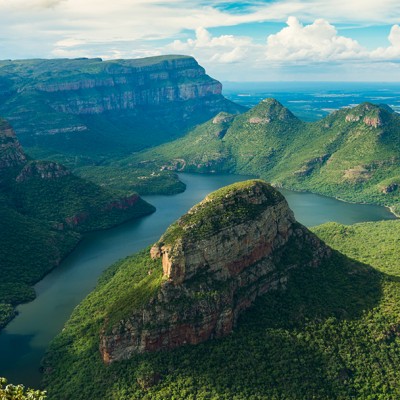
x: 221, y: 49
x: 134, y: 28
x: 316, y: 42
x: 391, y: 52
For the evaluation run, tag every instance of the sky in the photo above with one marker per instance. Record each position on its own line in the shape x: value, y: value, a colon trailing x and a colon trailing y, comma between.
x: 281, y: 40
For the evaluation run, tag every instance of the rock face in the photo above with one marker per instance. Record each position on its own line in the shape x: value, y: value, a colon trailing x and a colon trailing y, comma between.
x: 217, y: 259
x: 42, y: 170
x: 88, y: 105
x: 11, y: 153
x: 127, y: 85
x: 370, y: 114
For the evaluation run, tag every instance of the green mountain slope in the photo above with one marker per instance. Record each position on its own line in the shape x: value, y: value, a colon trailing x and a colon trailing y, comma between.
x: 333, y: 333
x: 89, y: 109
x: 44, y: 208
x: 352, y: 154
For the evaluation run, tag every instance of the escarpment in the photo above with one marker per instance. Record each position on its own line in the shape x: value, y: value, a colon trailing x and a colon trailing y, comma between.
x: 91, y: 106
x: 237, y: 244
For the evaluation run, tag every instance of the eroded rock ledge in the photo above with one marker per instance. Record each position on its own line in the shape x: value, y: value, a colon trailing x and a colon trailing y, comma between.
x: 216, y: 260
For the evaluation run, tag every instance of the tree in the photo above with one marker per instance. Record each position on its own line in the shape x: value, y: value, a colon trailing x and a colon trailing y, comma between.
x: 18, y: 392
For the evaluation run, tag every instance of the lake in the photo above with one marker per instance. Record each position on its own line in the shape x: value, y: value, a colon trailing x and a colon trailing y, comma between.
x: 24, y: 341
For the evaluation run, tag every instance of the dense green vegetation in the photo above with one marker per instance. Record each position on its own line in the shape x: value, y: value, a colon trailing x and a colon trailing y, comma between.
x: 352, y: 154
x: 30, y: 248
x: 9, y: 391
x: 143, y: 178
x: 220, y: 209
x: 94, y: 109
x: 43, y: 211
x: 333, y: 333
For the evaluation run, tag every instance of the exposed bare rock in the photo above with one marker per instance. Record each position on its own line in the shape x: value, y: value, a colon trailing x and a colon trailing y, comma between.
x: 258, y: 120
x: 11, y: 153
x: 352, y: 118
x: 222, y: 118
x: 373, y: 121
x: 42, y: 170
x: 216, y: 259
x: 311, y: 165
x: 390, y: 188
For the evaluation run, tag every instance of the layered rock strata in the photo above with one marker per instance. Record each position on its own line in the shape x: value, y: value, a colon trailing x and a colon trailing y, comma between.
x: 217, y: 259
x: 90, y: 105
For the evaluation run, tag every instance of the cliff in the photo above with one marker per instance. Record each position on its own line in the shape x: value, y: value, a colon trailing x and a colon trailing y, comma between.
x: 11, y: 153
x: 44, y: 208
x: 215, y: 260
x: 90, y: 106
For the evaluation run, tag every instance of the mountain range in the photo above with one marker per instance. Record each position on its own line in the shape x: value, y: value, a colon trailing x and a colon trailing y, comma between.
x: 85, y: 110
x: 352, y: 154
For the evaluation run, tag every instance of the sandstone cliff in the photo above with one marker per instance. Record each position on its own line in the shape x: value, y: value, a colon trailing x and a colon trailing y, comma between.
x: 94, y: 106
x: 216, y: 260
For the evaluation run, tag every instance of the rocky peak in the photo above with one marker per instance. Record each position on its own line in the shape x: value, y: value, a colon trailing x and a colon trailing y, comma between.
x: 269, y: 110
x: 223, y: 118
x: 370, y: 114
x: 11, y: 153
x: 232, y: 210
x: 216, y: 260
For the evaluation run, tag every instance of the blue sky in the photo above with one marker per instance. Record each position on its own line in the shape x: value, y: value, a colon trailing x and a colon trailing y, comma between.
x: 285, y: 40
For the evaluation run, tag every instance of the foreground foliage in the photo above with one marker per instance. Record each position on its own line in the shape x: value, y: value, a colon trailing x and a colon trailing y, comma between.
x: 334, y: 333
x: 18, y: 392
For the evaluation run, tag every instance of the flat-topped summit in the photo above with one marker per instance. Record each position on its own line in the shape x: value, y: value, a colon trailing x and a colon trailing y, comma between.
x: 95, y: 107
x: 209, y: 267
x: 228, y: 212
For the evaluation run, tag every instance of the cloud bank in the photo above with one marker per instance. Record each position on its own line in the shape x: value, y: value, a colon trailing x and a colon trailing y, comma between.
x: 137, y: 28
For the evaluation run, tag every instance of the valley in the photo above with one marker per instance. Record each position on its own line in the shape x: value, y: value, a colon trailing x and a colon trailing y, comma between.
x: 300, y: 312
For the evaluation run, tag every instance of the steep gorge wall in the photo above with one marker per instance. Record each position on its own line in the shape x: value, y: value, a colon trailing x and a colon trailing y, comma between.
x: 126, y: 86
x: 93, y: 106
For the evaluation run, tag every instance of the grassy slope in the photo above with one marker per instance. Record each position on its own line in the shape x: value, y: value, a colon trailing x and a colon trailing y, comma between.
x: 334, y: 157
x: 335, y: 333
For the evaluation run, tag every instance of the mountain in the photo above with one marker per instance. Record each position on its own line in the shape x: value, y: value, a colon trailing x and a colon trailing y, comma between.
x: 275, y: 314
x: 89, y: 108
x: 352, y: 154
x: 44, y: 209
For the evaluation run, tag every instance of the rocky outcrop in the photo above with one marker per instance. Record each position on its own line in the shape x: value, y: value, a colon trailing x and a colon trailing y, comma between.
x: 311, y: 165
x: 78, y: 104
x: 216, y: 260
x: 373, y: 121
x: 42, y: 170
x: 11, y: 153
x: 370, y: 114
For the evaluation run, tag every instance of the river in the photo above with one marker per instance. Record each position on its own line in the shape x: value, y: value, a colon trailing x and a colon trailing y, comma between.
x: 24, y: 341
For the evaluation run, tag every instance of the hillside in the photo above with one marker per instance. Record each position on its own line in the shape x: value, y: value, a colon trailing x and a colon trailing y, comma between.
x: 86, y: 110
x: 320, y: 325
x: 44, y: 209
x: 352, y: 154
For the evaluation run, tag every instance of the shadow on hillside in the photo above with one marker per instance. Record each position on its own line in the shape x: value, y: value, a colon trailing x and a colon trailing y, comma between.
x: 311, y: 340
